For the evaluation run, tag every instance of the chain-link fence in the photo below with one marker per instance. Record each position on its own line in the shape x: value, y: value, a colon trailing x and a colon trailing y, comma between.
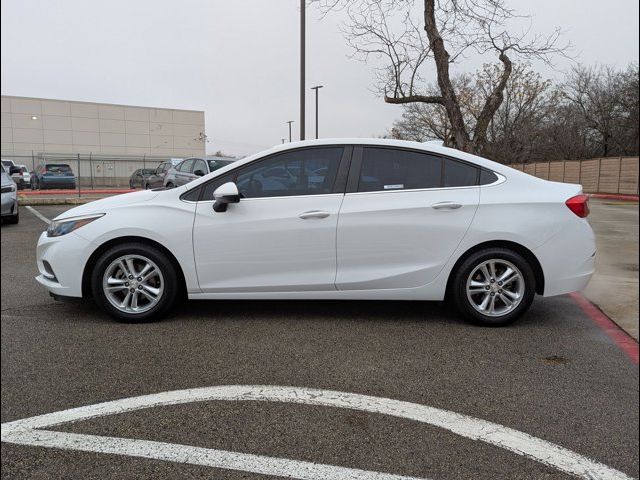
x: 91, y: 171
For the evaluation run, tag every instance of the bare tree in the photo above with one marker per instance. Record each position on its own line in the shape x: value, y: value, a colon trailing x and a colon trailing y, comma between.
x: 446, y: 31
x: 514, y: 131
x: 607, y: 101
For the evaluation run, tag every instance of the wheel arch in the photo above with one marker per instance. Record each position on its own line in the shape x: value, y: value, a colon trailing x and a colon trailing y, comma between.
x: 88, y: 268
x: 516, y: 247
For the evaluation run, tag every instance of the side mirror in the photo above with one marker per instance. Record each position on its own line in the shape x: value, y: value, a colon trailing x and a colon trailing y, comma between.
x: 224, y: 195
x: 199, y: 173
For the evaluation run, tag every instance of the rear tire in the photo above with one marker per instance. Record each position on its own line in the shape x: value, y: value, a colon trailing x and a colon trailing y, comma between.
x: 121, y: 273
x: 170, y: 185
x: 493, y: 287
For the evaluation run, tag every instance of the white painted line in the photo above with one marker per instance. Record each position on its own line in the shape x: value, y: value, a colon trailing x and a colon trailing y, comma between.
x: 38, y: 214
x: 26, y: 432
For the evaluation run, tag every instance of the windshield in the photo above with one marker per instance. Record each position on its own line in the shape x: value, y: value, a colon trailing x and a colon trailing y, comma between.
x: 57, y: 168
x: 216, y: 164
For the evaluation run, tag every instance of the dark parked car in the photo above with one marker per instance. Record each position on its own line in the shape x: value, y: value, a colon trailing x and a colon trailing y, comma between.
x: 53, y: 175
x: 156, y: 180
x: 140, y: 177
x: 192, y: 168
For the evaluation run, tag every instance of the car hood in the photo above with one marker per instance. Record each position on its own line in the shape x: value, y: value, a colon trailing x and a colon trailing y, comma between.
x: 105, y: 204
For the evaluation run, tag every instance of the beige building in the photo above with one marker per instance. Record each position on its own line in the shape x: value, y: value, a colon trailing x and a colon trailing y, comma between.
x: 43, y: 126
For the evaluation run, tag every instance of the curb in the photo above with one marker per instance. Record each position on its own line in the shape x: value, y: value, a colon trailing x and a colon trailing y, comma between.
x: 32, y: 202
x: 622, y: 339
x: 614, y: 196
x: 97, y: 191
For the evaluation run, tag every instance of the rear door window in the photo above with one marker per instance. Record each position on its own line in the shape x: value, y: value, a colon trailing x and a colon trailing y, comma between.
x: 387, y: 169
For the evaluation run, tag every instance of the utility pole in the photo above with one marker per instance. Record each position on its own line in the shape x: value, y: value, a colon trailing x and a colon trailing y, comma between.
x: 289, y: 122
x: 302, y: 66
x: 316, y: 88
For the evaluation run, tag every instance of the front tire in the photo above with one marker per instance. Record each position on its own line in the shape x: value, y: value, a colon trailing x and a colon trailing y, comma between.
x: 493, y: 287
x: 134, y: 282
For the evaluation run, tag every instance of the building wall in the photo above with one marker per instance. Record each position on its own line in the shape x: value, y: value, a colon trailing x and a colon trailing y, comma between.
x: 41, y: 125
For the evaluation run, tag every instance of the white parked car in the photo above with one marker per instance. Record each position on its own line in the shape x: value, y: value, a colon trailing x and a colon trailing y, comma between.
x: 389, y: 220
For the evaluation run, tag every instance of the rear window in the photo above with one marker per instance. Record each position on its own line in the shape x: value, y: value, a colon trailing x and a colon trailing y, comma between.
x: 216, y: 164
x: 487, y: 177
x: 57, y: 168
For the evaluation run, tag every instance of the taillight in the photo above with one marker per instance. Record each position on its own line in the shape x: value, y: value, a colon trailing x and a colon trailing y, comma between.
x: 579, y: 205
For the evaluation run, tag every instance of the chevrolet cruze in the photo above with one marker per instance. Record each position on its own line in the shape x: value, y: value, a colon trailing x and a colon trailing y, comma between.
x: 331, y: 219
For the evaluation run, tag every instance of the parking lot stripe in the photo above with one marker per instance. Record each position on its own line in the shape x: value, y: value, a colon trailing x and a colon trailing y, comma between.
x: 621, y: 338
x: 28, y: 432
x: 38, y: 214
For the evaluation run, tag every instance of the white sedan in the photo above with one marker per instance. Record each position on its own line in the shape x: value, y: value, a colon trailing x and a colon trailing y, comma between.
x: 388, y: 220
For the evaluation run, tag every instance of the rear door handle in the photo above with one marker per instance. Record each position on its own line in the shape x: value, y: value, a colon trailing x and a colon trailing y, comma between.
x: 314, y: 214
x: 446, y: 205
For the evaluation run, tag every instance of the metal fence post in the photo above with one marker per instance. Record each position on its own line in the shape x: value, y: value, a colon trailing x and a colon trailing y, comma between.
x: 78, y: 175
x: 564, y: 170
x: 619, y: 173
x: 599, y: 173
x: 91, y: 169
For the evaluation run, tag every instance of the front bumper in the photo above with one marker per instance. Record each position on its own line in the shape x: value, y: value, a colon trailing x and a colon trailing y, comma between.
x: 66, y: 257
x: 9, y: 204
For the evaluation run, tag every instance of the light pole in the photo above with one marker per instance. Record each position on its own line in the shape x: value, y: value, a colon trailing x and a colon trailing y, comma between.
x: 316, y: 88
x: 302, y: 69
x: 289, y: 122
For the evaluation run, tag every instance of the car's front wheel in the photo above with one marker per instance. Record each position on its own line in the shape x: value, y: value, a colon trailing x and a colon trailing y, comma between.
x: 134, y: 282
x: 494, y: 287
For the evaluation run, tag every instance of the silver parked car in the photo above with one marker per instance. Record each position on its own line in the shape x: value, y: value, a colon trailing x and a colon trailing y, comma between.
x: 192, y: 168
x: 9, y: 198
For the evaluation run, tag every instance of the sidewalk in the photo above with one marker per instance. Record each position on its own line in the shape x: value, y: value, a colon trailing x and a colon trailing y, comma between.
x: 614, y: 286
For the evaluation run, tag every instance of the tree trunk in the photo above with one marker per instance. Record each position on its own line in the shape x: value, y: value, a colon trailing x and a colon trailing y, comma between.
x: 441, y: 56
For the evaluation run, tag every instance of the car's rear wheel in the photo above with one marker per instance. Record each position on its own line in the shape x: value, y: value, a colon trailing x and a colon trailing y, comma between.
x: 494, y: 287
x: 170, y: 185
x: 134, y: 282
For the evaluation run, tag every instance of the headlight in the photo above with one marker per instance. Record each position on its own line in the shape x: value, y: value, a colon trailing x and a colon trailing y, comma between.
x: 57, y: 228
x: 9, y: 189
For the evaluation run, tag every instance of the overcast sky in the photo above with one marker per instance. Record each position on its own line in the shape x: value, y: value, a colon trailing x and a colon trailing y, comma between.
x: 238, y: 60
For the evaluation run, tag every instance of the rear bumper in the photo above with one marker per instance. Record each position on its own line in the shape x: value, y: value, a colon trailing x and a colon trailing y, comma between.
x: 64, y: 182
x: 568, y: 258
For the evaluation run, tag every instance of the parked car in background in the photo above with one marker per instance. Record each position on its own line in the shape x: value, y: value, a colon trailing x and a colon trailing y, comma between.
x: 156, y: 180
x: 10, y: 212
x: 53, y: 175
x: 21, y: 176
x: 356, y: 219
x: 192, y: 168
x: 8, y: 163
x: 140, y: 177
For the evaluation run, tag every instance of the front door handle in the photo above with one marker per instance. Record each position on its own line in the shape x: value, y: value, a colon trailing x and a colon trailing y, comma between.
x: 314, y: 214
x: 446, y: 205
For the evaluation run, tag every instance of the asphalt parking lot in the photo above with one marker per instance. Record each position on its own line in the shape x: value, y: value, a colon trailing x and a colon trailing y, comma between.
x: 554, y: 375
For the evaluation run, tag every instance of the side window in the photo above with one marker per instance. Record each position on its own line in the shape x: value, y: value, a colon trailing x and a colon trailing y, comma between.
x: 185, y: 167
x: 310, y: 171
x: 394, y: 169
x: 487, y: 177
x: 200, y: 165
x: 459, y: 174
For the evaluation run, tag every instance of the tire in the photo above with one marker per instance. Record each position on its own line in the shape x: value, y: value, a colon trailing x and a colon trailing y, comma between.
x: 146, y: 186
x: 518, y: 287
x: 170, y: 185
x: 13, y: 219
x: 142, y: 254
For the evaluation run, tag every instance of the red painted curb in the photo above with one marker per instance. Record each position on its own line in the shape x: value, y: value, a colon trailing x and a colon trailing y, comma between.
x: 68, y: 192
x: 626, y: 342
x: 613, y: 196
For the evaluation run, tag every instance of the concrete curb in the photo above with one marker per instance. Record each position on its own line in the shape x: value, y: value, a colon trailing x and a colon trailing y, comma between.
x: 32, y: 202
x: 613, y: 196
